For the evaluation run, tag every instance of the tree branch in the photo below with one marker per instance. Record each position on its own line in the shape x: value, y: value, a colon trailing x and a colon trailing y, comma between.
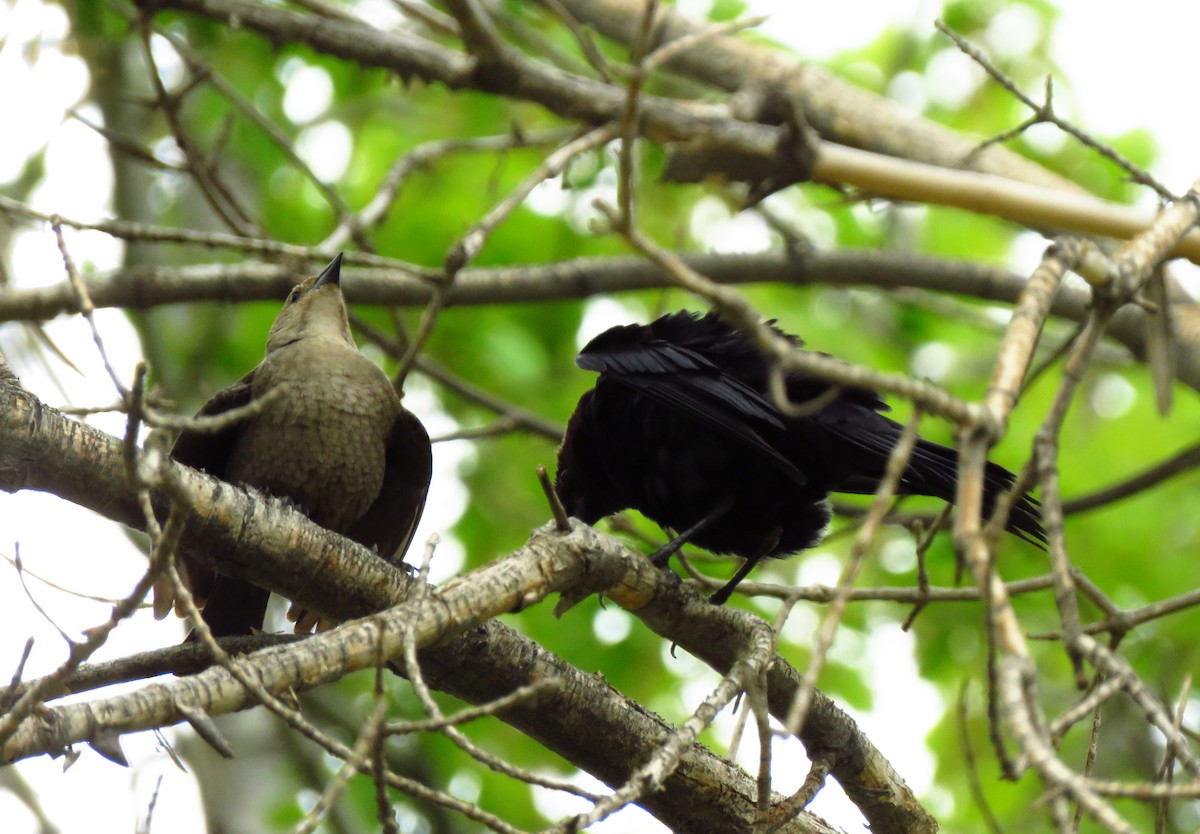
x: 145, y: 287
x: 719, y: 144
x: 267, y: 542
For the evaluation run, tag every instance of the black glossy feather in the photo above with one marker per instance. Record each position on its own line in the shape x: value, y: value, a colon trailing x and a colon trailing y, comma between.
x: 680, y: 423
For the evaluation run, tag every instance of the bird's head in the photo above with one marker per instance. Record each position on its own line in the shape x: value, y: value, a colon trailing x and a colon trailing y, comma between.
x: 566, y: 484
x: 315, y: 309
x: 588, y: 500
x: 581, y: 481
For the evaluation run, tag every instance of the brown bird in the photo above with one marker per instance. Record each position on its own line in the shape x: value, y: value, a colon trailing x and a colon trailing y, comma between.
x: 335, y: 441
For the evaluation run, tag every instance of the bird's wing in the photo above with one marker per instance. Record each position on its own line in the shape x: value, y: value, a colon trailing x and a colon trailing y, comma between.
x: 389, y: 524
x: 686, y: 382
x: 208, y: 451
x: 391, y: 521
x: 864, y: 440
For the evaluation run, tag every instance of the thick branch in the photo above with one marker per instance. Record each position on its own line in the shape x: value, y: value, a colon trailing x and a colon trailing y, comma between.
x: 706, y: 793
x: 141, y: 288
x: 524, y: 578
x: 838, y: 110
x: 718, y: 143
x: 144, y: 287
x: 283, y: 550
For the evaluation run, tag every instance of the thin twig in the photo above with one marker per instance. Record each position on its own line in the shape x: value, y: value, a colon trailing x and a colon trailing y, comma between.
x: 465, y: 250
x: 1044, y: 112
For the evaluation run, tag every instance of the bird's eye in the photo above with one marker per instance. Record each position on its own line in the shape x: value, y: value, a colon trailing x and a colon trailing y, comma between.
x: 293, y: 297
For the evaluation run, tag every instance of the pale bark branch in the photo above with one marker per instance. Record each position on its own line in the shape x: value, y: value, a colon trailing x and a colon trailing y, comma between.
x: 719, y: 143
x: 265, y: 541
x: 145, y: 287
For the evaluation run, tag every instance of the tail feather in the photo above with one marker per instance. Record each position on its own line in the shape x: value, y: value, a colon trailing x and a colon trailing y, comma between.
x: 933, y: 470
x: 235, y: 607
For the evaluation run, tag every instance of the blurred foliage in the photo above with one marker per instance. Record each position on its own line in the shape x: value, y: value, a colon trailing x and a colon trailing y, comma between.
x: 524, y: 353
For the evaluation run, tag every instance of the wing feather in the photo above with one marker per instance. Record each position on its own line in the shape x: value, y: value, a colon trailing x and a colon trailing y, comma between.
x: 389, y: 524
x: 688, y: 383
x: 209, y: 452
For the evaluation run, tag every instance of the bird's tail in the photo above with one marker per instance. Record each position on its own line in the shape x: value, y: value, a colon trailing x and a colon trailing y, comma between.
x: 933, y: 470
x: 234, y: 607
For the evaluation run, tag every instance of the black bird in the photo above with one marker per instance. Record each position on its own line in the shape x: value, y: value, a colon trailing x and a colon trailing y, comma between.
x: 681, y: 427
x: 336, y: 442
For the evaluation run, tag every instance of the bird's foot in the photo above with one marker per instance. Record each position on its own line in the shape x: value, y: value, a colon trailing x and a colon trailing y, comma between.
x: 661, y: 557
x: 306, y: 622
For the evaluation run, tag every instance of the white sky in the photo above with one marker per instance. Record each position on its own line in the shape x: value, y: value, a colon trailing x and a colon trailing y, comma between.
x: 1126, y: 69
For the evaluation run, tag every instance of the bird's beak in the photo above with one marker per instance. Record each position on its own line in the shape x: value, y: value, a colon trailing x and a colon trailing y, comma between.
x: 331, y: 275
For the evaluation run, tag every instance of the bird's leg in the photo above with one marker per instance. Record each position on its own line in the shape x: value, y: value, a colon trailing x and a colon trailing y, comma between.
x: 663, y: 555
x: 766, y: 546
